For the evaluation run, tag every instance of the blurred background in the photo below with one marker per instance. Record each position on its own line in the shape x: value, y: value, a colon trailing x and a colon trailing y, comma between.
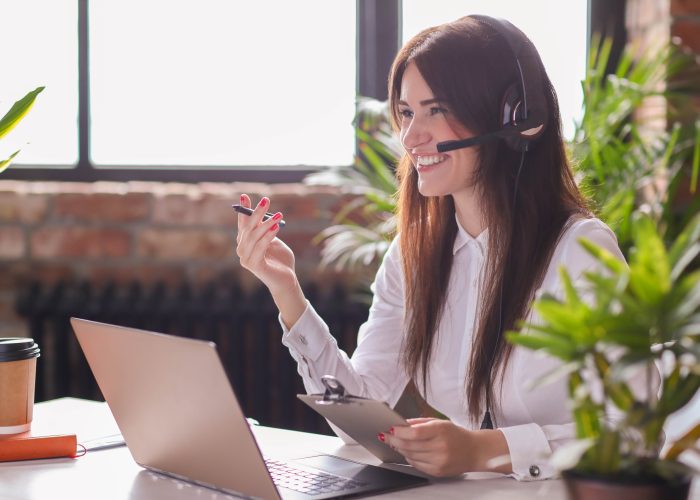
x: 156, y: 115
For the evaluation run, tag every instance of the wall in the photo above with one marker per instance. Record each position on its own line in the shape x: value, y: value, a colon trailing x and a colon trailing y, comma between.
x: 650, y: 23
x: 144, y: 231
x: 651, y: 20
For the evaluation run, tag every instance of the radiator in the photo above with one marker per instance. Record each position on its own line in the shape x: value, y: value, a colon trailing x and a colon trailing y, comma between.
x: 243, y: 325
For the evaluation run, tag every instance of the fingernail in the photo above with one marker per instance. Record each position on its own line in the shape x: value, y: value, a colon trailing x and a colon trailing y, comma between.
x: 278, y: 215
x: 391, y: 431
x: 242, y: 199
x: 380, y: 436
x: 275, y: 227
x: 263, y: 202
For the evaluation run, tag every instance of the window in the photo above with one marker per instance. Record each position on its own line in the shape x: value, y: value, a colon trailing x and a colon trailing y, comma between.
x: 41, y: 50
x: 191, y: 87
x: 216, y: 82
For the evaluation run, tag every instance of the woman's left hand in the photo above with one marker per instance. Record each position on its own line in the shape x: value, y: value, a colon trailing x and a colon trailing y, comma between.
x: 441, y: 448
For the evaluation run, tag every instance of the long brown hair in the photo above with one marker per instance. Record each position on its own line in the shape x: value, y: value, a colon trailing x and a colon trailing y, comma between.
x: 469, y: 65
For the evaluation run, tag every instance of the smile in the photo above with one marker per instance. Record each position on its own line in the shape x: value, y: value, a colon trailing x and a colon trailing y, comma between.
x: 429, y: 161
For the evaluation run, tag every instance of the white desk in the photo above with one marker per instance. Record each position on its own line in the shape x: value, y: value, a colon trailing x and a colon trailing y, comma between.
x: 112, y: 473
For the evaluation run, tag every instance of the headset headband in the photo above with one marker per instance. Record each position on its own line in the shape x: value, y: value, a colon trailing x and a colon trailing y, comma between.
x: 527, y: 62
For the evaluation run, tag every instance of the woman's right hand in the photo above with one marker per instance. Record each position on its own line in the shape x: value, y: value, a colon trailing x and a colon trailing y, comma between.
x: 268, y: 258
x: 260, y: 251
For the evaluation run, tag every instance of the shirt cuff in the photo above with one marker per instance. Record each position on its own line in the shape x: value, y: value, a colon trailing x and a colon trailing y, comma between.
x: 308, y: 336
x: 529, y: 452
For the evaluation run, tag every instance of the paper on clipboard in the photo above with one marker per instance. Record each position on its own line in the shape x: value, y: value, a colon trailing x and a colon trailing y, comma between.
x: 360, y: 418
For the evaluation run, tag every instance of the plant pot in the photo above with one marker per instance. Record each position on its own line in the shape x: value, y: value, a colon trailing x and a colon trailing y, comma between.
x: 582, y: 486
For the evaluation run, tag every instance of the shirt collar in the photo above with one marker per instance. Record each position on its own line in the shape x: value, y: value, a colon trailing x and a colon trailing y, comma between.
x: 463, y: 238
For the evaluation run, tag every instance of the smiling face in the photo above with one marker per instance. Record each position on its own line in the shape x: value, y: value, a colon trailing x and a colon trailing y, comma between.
x: 425, y: 121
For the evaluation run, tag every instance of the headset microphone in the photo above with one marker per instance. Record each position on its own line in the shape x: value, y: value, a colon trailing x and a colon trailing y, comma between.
x: 444, y: 147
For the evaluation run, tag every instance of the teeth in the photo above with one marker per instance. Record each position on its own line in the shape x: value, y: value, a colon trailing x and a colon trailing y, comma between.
x: 430, y: 160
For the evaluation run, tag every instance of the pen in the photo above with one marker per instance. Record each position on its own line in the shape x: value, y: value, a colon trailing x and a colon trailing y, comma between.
x: 105, y: 442
x: 247, y: 211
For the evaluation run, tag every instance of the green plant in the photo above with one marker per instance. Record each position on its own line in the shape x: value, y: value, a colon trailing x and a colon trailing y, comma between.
x: 363, y: 228
x: 620, y: 321
x: 18, y: 110
x: 624, y: 165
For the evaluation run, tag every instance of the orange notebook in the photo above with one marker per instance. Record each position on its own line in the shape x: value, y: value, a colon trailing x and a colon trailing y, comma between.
x: 27, y: 447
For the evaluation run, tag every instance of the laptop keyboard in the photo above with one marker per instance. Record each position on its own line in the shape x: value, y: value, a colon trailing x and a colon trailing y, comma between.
x: 305, y: 481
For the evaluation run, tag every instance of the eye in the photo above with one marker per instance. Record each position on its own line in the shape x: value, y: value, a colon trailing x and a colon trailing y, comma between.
x: 438, y: 110
x: 406, y: 113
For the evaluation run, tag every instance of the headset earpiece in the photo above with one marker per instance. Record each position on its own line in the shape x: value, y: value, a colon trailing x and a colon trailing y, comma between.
x: 512, y: 113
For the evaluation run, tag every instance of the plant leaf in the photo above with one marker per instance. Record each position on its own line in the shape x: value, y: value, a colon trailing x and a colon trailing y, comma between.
x: 568, y: 455
x: 18, y: 110
x: 685, y: 442
x: 650, y: 273
x: 6, y: 163
x: 683, y: 246
x: 605, y: 257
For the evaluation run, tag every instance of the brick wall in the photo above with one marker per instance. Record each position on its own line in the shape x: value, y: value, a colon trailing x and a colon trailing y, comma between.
x: 650, y: 23
x: 143, y: 231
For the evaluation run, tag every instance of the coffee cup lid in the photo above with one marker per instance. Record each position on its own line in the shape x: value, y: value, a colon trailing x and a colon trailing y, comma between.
x: 17, y: 348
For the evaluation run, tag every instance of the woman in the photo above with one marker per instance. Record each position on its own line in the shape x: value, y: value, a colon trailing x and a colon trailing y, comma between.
x: 483, y: 227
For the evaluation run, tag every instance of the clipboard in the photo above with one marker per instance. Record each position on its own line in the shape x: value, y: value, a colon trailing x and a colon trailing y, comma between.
x: 360, y: 418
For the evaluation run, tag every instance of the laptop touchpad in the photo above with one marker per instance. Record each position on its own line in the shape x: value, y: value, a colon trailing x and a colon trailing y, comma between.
x: 331, y: 464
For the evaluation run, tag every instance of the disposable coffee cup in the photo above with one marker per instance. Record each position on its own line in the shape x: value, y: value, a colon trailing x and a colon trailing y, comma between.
x: 17, y: 378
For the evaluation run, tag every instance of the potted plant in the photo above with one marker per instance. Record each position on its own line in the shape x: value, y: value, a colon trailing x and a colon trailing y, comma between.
x: 617, y: 324
x: 12, y: 118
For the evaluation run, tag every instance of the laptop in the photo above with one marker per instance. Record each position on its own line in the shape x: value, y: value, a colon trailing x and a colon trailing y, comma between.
x: 179, y: 416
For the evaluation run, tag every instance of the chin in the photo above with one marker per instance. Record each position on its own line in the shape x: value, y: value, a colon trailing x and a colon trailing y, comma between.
x: 427, y: 190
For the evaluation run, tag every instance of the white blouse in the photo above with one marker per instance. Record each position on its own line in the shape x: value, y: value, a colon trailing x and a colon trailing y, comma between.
x: 534, y: 421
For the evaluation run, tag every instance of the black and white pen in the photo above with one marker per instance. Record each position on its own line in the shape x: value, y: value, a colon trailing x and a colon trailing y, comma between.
x: 248, y: 211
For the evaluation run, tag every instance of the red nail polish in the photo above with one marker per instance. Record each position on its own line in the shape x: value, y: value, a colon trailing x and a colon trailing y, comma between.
x: 277, y: 216
x: 275, y: 227
x: 380, y: 436
x: 242, y: 199
x: 391, y: 431
x: 263, y: 202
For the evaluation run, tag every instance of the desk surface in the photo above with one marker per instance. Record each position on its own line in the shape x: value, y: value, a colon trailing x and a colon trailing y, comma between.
x: 112, y: 473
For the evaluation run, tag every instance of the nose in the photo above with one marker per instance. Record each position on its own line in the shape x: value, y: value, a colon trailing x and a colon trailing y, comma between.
x: 415, y: 134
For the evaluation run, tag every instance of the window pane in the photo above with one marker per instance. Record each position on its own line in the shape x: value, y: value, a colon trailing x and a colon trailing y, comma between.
x: 40, y: 48
x: 221, y: 83
x: 558, y: 29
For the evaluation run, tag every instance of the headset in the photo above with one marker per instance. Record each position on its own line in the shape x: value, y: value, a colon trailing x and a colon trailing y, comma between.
x: 523, y: 113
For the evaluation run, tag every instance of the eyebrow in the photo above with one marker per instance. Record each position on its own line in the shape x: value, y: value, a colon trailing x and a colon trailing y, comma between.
x: 426, y: 102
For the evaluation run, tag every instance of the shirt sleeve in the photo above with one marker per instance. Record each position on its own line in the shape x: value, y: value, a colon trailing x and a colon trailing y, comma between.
x: 374, y: 370
x: 531, y: 444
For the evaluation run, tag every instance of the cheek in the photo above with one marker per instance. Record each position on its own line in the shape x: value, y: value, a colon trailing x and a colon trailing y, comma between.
x: 469, y: 158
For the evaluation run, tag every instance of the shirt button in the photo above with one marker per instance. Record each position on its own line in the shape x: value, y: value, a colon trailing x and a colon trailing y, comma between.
x: 302, y: 339
x: 534, y: 471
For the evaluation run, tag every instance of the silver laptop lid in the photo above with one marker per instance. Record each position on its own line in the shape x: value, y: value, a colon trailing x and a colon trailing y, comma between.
x: 172, y: 401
